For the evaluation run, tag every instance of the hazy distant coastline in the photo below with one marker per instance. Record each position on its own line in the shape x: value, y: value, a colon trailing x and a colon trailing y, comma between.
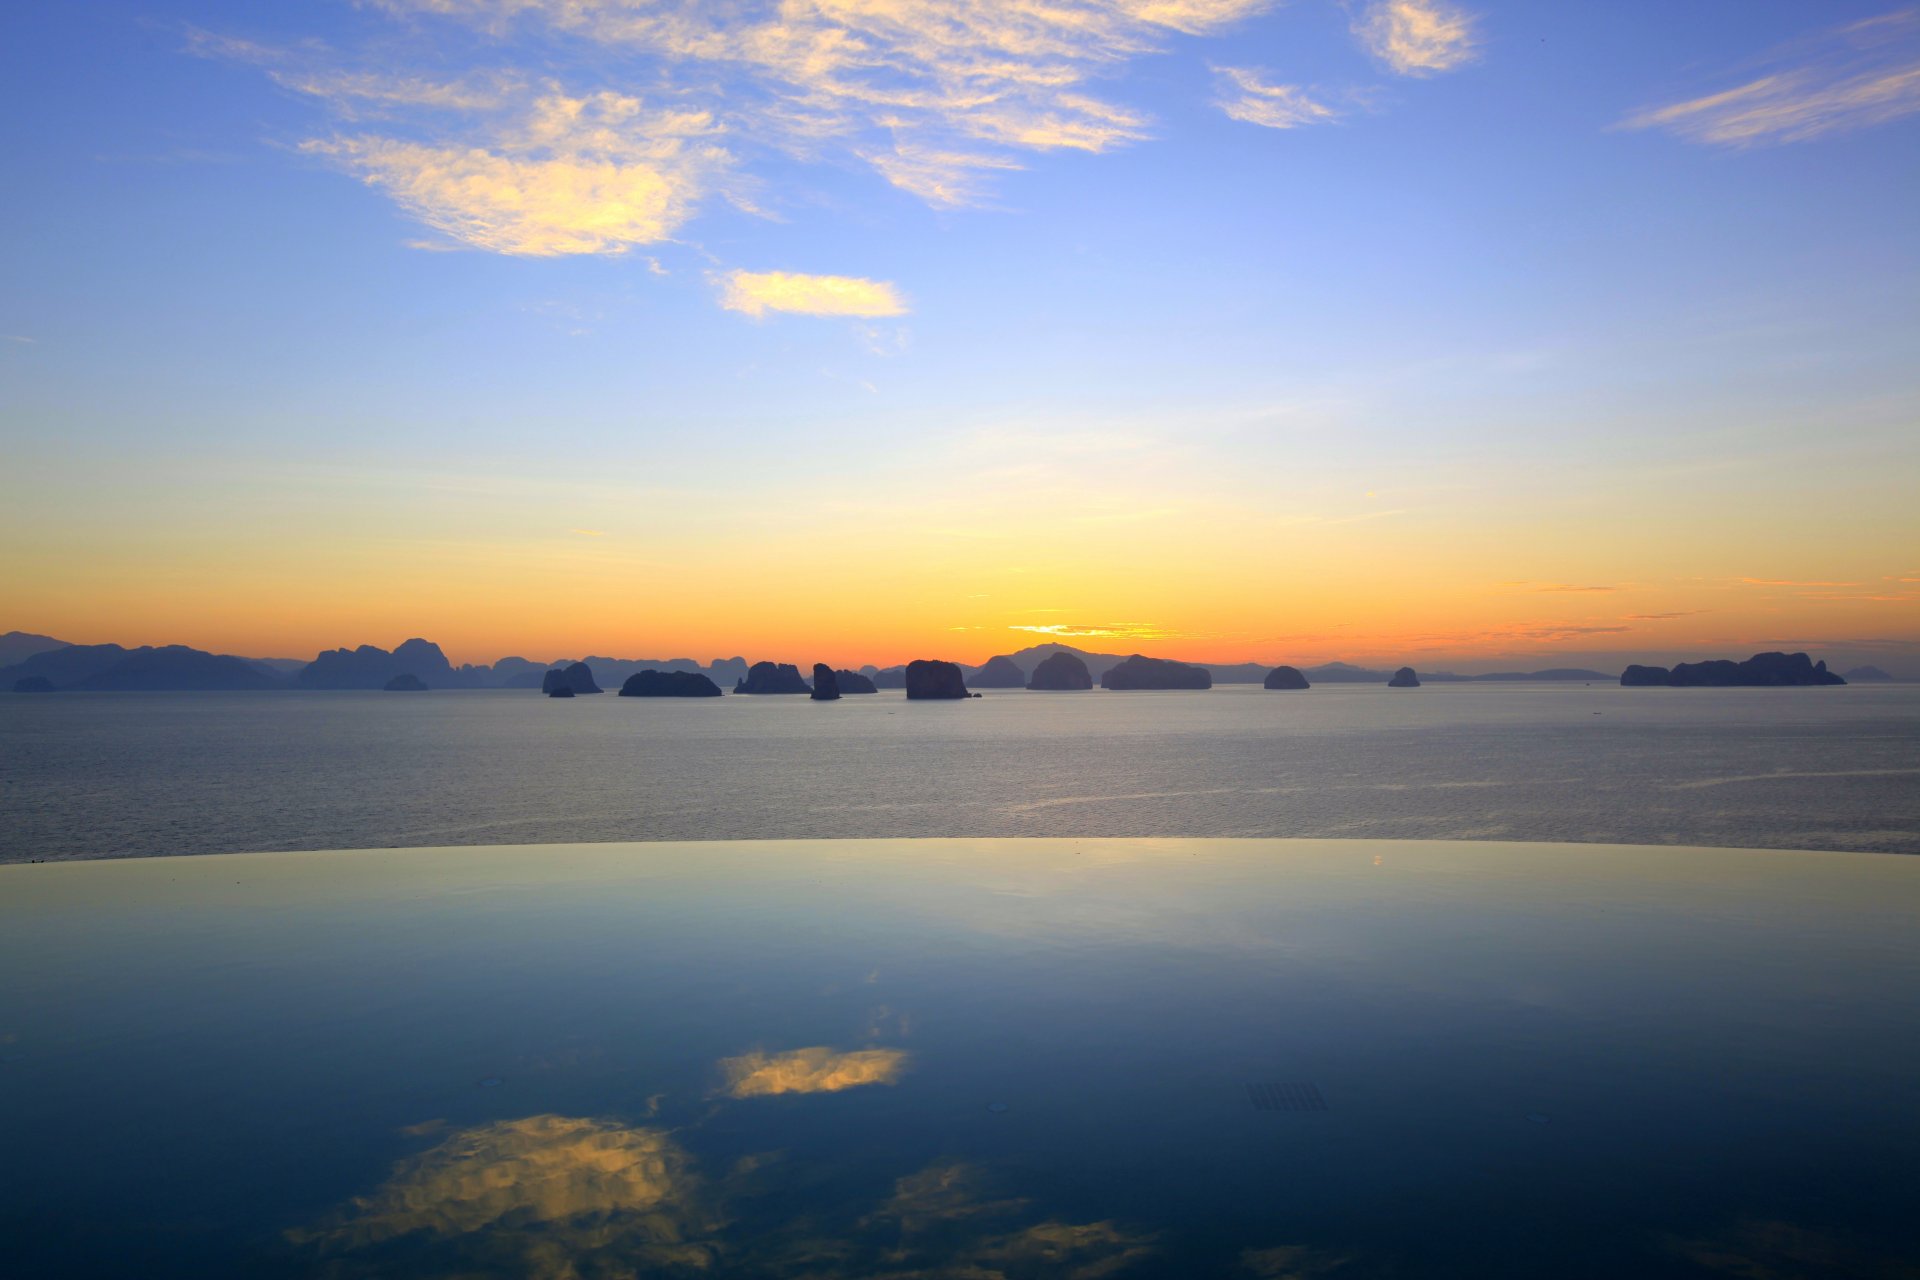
x: 44, y: 663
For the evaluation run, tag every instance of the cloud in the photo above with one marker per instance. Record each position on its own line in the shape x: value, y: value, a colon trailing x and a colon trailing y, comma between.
x: 1121, y: 630
x: 815, y: 1070
x: 1851, y: 77
x: 1784, y: 582
x: 1243, y: 95
x: 589, y: 175
x: 758, y: 292
x: 936, y: 95
x: 1417, y: 37
x: 1559, y: 587
x: 1662, y: 617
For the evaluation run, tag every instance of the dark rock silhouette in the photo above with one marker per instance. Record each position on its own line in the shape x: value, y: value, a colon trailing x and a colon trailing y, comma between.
x: 1404, y: 678
x: 772, y: 677
x: 1285, y: 677
x: 370, y: 667
x: 1865, y: 675
x: 1637, y: 676
x: 406, y: 682
x: 577, y: 678
x: 1761, y: 671
x: 1000, y: 672
x: 669, y: 684
x: 33, y: 684
x: 1141, y: 672
x: 826, y: 685
x: 560, y: 691
x: 854, y: 682
x: 932, y: 678
x: 1061, y: 672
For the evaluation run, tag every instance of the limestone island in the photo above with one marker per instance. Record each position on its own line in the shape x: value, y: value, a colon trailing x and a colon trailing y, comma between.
x: 405, y: 682
x: 1761, y: 671
x: 1140, y: 672
x: 1284, y: 677
x: 854, y: 682
x: 1061, y: 672
x: 1404, y: 678
x: 669, y: 684
x: 826, y: 685
x: 772, y: 677
x: 576, y: 679
x: 932, y: 678
x: 1001, y: 672
x: 33, y: 684
x: 559, y: 691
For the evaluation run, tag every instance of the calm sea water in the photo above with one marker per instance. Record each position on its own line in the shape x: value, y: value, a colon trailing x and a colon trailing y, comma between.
x: 1046, y: 1060
x: 138, y: 774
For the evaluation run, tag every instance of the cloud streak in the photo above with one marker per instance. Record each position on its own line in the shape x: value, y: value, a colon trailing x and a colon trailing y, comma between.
x: 1244, y: 95
x: 755, y: 293
x: 1417, y: 37
x: 1853, y: 77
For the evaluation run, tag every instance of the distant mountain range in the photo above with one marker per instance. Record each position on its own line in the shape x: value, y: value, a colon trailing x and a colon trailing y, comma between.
x: 51, y: 663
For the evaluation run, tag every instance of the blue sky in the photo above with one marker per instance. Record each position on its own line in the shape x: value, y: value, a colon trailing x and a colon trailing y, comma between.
x: 1106, y: 274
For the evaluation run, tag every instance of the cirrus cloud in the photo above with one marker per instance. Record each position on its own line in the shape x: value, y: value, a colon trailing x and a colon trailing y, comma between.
x: 755, y: 293
x: 1865, y: 73
x: 1417, y: 37
x: 1245, y: 96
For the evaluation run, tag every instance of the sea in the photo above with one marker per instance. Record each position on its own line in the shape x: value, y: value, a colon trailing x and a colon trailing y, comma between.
x: 151, y: 774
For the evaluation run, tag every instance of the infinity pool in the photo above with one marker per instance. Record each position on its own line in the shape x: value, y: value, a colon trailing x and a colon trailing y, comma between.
x: 963, y: 1058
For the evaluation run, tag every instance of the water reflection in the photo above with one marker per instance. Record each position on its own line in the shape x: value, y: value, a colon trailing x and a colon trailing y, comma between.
x: 542, y: 1193
x: 569, y: 1198
x: 815, y: 1070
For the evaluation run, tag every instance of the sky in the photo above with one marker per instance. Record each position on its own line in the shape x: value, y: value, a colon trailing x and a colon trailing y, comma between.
x: 1482, y: 335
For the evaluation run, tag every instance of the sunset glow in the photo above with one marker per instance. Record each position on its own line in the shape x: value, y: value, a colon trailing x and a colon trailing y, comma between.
x: 1473, y: 335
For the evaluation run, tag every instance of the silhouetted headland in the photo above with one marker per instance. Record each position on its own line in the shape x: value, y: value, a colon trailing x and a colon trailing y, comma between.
x: 1061, y: 672
x: 1865, y: 675
x: 669, y: 684
x: 1404, y: 678
x: 932, y: 678
x: 1285, y: 677
x: 1141, y: 672
x: 1761, y: 671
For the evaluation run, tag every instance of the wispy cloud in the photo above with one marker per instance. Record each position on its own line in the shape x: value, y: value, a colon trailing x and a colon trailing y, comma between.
x: 1110, y: 630
x: 592, y: 175
x: 1662, y: 617
x: 934, y: 94
x: 1417, y: 37
x: 1559, y: 587
x: 1244, y: 95
x: 1862, y: 74
x: 1786, y: 582
x: 757, y: 292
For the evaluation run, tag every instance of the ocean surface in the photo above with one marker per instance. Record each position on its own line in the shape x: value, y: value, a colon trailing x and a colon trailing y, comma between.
x: 108, y: 775
x: 1026, y: 1060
